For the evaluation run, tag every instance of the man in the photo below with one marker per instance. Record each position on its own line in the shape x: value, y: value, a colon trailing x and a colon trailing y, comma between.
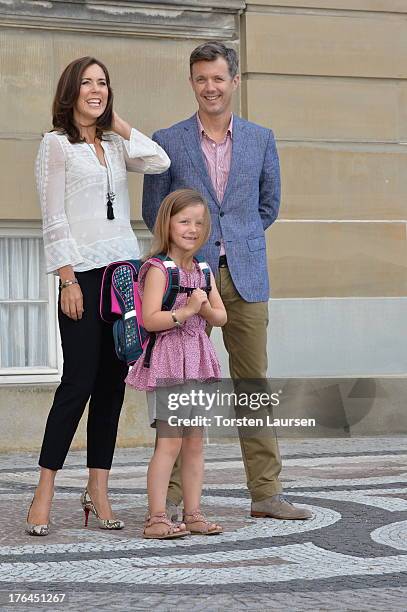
x: 234, y: 164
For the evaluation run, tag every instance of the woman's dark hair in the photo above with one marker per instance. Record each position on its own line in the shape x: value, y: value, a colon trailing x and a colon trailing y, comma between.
x: 210, y: 51
x: 67, y: 93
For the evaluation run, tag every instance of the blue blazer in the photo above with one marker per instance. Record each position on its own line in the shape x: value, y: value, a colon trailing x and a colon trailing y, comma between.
x: 249, y: 206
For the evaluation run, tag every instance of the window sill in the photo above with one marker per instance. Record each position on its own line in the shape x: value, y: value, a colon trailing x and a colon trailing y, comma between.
x: 50, y: 376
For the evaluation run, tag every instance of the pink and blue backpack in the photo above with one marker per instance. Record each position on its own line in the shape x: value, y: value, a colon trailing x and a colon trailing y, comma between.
x: 120, y: 304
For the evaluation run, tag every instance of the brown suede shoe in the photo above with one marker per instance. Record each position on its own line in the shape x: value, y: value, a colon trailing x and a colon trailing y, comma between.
x: 279, y: 508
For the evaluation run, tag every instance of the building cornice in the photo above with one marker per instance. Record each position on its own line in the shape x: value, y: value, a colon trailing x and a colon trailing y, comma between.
x: 167, y: 18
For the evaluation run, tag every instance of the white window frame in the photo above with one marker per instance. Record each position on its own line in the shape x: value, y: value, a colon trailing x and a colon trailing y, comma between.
x: 45, y: 374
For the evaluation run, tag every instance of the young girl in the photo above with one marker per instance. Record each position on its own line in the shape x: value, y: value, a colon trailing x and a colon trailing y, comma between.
x: 182, y: 352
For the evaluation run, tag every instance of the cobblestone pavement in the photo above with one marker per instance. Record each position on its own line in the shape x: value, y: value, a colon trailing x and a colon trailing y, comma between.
x: 352, y: 555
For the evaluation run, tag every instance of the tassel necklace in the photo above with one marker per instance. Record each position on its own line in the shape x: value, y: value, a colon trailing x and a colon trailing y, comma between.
x: 110, y: 196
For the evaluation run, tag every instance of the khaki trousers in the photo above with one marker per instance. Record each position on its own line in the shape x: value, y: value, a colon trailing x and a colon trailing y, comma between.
x: 245, y: 339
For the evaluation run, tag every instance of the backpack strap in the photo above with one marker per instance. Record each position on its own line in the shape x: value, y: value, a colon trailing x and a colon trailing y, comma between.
x: 172, y: 287
x: 206, y: 272
x: 205, y: 269
x: 149, y: 350
x: 171, y: 291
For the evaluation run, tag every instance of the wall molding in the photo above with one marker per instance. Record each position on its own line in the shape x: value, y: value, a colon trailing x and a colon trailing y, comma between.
x: 129, y: 18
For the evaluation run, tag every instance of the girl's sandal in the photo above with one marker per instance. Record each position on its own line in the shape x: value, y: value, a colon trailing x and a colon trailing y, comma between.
x: 197, y: 524
x: 173, y: 531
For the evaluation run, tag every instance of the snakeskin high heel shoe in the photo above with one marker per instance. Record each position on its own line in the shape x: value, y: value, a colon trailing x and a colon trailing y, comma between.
x: 35, y: 530
x: 88, y: 506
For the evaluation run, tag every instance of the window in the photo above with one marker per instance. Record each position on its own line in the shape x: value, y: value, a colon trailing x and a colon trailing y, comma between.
x: 30, y: 350
x: 28, y: 322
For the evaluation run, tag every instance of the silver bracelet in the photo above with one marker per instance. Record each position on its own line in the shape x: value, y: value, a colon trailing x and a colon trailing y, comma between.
x: 174, y: 318
x: 68, y: 283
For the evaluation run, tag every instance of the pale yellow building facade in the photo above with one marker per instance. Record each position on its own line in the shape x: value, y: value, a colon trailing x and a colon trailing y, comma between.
x: 328, y: 76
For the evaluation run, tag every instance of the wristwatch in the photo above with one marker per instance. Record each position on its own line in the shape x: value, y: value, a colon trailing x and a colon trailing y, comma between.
x: 174, y: 318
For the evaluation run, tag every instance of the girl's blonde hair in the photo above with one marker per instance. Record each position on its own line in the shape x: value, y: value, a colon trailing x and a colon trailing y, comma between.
x: 172, y: 204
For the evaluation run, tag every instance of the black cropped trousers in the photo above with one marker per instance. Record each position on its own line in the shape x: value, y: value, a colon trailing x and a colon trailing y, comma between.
x: 91, y: 371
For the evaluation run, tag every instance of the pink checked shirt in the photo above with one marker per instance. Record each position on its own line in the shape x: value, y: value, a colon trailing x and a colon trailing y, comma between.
x: 217, y: 158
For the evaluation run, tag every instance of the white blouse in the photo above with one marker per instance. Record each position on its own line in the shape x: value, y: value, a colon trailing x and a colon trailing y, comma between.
x: 73, y: 185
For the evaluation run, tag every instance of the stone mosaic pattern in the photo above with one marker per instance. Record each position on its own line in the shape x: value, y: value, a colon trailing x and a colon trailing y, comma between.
x: 352, y: 555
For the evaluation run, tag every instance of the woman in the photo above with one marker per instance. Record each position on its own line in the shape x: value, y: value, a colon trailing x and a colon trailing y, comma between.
x: 82, y: 183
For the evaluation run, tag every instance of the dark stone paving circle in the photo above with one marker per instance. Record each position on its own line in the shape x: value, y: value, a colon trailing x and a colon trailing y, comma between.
x: 352, y: 555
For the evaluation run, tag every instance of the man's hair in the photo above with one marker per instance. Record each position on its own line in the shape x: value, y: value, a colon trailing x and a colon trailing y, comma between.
x: 210, y: 51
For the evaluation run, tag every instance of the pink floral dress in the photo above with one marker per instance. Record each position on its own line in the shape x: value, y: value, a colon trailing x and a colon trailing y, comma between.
x: 179, y: 354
